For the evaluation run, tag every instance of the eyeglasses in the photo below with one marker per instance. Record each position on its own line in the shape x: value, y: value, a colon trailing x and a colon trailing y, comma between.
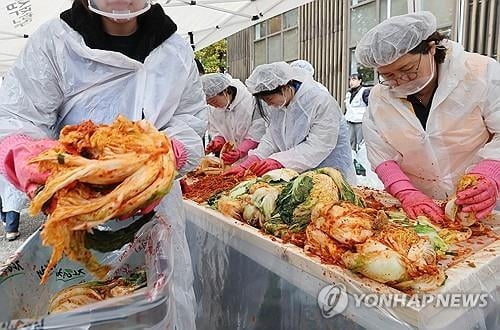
x: 409, y: 76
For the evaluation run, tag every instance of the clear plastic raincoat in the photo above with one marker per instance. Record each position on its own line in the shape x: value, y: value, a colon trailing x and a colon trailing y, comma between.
x: 462, y: 129
x: 241, y: 121
x: 310, y: 132
x: 58, y: 80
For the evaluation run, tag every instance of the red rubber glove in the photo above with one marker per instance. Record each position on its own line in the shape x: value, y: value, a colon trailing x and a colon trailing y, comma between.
x: 240, y: 170
x: 265, y: 166
x: 416, y: 203
x: 215, y: 145
x: 237, y: 171
x: 231, y: 157
x: 180, y: 154
x: 15, y: 153
x: 413, y: 201
x: 481, y: 198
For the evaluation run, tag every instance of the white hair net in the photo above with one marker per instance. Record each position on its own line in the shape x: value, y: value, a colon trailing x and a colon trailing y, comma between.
x: 393, y: 38
x: 214, y: 83
x: 304, y: 65
x: 267, y: 77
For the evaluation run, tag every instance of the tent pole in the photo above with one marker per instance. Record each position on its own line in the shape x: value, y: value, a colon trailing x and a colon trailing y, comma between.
x: 191, y: 39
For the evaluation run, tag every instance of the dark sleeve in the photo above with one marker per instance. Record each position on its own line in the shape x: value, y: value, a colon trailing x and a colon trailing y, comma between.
x: 366, y: 94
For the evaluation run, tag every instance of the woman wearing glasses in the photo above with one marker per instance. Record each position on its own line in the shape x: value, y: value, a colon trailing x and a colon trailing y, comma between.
x: 232, y: 118
x: 434, y: 117
x: 306, y: 128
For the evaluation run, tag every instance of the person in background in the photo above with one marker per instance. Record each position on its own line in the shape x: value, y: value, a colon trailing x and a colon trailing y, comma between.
x: 307, y: 67
x: 306, y: 128
x: 96, y: 61
x: 233, y: 117
x: 12, y: 202
x: 356, y: 102
x: 434, y: 117
x: 10, y: 221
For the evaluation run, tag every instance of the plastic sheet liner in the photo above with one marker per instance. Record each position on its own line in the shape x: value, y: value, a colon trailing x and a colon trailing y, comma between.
x: 370, y: 179
x: 247, y: 280
x: 24, y: 302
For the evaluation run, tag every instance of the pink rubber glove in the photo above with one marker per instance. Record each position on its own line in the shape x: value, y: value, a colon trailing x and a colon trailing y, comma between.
x: 231, y: 157
x: 215, y: 145
x: 416, y: 203
x: 15, y: 152
x: 413, y: 201
x: 482, y: 197
x: 243, y: 167
x: 265, y: 166
x: 180, y: 154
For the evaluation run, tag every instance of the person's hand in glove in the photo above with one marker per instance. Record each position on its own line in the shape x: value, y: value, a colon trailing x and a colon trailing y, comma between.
x: 215, y: 145
x: 416, y: 203
x: 413, y: 201
x: 240, y: 170
x: 237, y: 171
x: 482, y: 197
x: 265, y: 166
x: 15, y: 153
x: 230, y: 157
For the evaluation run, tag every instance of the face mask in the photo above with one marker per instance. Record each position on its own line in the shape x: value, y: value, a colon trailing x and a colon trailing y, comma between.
x: 118, y: 14
x: 282, y: 105
x: 416, y: 85
x: 284, y: 100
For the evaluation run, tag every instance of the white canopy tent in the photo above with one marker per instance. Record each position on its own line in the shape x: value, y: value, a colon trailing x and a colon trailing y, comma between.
x: 201, y: 22
x: 204, y: 22
x: 18, y: 19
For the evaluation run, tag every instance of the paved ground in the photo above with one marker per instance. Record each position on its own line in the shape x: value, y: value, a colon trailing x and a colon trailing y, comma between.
x: 27, y: 227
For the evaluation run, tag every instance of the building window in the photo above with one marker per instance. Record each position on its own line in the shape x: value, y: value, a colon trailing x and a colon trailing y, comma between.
x: 274, y: 47
x: 290, y: 45
x: 444, y: 11
x: 290, y: 19
x: 357, y: 2
x: 277, y: 39
x: 260, y: 51
x: 260, y: 30
x: 390, y: 8
x: 363, y: 17
x: 368, y: 74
